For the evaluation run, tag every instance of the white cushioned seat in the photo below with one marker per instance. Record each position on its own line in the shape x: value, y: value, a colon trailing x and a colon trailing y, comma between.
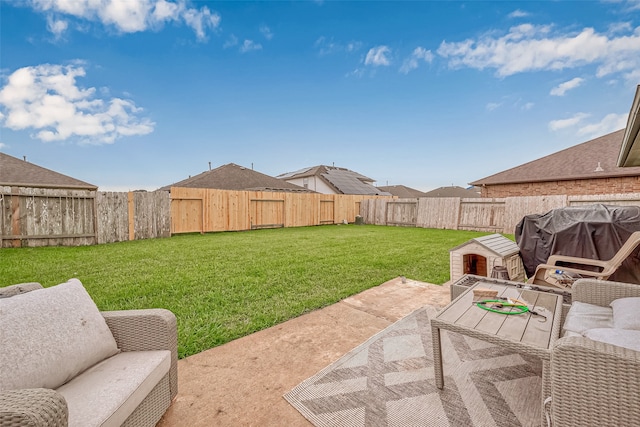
x: 583, y: 316
x: 107, y: 393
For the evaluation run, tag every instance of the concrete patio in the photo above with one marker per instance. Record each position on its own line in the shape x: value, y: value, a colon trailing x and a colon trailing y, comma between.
x: 241, y: 383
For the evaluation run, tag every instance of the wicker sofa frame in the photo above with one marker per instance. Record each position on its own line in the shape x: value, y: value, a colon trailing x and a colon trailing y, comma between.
x: 595, y: 383
x: 133, y: 330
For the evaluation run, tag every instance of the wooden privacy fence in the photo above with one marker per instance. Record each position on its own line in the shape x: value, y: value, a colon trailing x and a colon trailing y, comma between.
x: 64, y: 217
x: 491, y: 215
x: 205, y: 210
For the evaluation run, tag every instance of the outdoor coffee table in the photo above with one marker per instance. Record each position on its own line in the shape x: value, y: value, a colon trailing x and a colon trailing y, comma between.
x: 525, y: 333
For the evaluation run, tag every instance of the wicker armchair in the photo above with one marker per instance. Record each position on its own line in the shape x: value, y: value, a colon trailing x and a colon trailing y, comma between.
x: 133, y: 330
x: 594, y: 383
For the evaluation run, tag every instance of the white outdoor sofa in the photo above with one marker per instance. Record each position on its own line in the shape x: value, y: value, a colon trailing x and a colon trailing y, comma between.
x: 64, y: 363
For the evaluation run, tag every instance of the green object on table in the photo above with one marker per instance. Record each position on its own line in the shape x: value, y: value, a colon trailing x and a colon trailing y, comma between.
x: 520, y: 308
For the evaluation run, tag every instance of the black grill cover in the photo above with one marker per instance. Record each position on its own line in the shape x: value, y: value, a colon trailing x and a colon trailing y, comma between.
x: 593, y: 231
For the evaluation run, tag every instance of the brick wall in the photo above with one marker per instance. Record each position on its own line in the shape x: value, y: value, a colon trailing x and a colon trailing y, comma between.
x: 614, y: 185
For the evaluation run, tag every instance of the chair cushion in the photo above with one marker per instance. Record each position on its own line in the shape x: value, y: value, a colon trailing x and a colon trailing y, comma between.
x: 626, y: 313
x: 583, y: 316
x: 626, y: 338
x: 107, y: 393
x: 50, y: 335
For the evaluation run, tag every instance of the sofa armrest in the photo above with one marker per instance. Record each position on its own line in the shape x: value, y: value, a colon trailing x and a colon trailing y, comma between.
x: 143, y: 330
x: 594, y: 383
x: 602, y: 292
x: 18, y: 289
x: 33, y: 407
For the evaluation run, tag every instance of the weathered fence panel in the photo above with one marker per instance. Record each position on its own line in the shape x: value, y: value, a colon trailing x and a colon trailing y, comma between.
x: 46, y: 217
x: 402, y: 212
x: 479, y: 214
x: 438, y: 212
x: 132, y: 216
x: 113, y: 217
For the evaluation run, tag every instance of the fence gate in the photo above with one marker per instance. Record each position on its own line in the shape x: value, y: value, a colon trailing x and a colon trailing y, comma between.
x: 327, y: 212
x: 191, y: 214
x: 402, y: 213
x: 267, y: 213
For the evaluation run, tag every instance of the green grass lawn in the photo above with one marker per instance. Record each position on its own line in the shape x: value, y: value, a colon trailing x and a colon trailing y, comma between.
x: 223, y: 286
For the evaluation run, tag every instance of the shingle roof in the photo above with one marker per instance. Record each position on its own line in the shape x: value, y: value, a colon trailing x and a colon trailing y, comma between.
x: 20, y: 173
x: 342, y: 180
x: 402, y: 191
x: 596, y: 158
x: 235, y: 177
x: 453, y: 191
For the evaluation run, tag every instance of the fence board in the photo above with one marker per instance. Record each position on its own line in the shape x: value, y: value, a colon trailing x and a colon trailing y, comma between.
x: 438, y: 212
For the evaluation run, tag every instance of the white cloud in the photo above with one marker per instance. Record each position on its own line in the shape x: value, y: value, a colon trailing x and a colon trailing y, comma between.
x: 47, y: 99
x: 378, y: 56
x: 555, y: 125
x: 492, y: 106
x: 528, y: 48
x: 518, y: 14
x: 3, y: 145
x: 57, y: 26
x: 562, y: 88
x: 250, y: 45
x: 412, y: 62
x: 230, y: 42
x: 266, y: 32
x: 129, y: 16
x: 327, y: 46
x: 610, y: 123
x: 528, y: 106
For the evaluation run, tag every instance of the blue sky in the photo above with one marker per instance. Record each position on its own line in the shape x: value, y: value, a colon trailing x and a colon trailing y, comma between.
x: 133, y: 95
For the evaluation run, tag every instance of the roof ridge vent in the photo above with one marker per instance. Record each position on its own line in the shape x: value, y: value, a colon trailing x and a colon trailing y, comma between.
x: 599, y: 168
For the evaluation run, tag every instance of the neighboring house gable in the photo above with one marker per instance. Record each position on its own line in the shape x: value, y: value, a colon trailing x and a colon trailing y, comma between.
x: 402, y: 191
x: 587, y: 168
x: 20, y: 173
x: 453, y: 191
x: 332, y: 180
x: 235, y: 177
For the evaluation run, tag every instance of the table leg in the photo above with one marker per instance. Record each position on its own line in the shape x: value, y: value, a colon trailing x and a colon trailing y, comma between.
x: 437, y: 357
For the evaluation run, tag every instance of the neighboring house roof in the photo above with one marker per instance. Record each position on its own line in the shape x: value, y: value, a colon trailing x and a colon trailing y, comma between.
x: 20, y: 173
x: 342, y: 180
x: 453, y: 191
x: 596, y: 158
x: 235, y: 177
x: 402, y: 191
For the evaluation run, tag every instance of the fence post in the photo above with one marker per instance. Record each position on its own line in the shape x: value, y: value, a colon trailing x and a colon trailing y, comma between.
x: 132, y: 212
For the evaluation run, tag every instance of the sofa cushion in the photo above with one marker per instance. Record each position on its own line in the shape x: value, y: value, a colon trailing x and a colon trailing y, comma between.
x: 626, y: 338
x: 50, y: 335
x: 626, y: 313
x: 583, y: 316
x: 107, y: 393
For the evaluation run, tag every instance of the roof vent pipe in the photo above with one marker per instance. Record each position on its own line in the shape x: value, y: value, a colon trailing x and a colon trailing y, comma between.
x: 209, y: 165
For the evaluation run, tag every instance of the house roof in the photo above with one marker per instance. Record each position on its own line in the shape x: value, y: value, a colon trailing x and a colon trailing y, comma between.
x: 453, y: 191
x: 596, y: 158
x: 236, y: 177
x: 630, y: 151
x: 496, y: 243
x: 402, y: 191
x: 342, y: 180
x: 20, y: 173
